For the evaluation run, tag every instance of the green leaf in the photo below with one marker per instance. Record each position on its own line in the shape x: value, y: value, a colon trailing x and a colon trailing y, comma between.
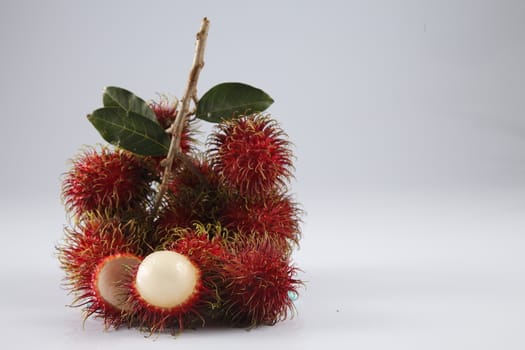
x: 229, y: 100
x: 130, y: 131
x: 118, y: 97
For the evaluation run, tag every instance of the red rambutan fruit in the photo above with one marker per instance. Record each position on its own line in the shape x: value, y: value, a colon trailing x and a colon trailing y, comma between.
x: 275, y: 217
x: 251, y: 154
x: 166, y: 113
x: 173, y: 216
x: 113, y: 180
x: 185, y: 298
x: 165, y: 110
x: 165, y: 291
x: 258, y: 280
x: 95, y: 256
x: 203, y: 244
x: 206, y: 247
x: 191, y: 198
x: 200, y: 176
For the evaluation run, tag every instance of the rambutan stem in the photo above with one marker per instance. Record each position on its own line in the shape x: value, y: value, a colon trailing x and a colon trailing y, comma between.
x: 183, y: 112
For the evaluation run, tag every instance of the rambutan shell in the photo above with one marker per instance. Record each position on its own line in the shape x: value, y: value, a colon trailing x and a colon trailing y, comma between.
x: 84, y: 253
x: 110, y: 276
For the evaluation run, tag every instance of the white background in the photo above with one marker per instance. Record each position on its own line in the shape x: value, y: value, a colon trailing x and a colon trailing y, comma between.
x: 409, y: 129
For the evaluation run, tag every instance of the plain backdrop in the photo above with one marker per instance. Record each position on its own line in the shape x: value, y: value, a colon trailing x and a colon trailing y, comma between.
x: 408, y: 123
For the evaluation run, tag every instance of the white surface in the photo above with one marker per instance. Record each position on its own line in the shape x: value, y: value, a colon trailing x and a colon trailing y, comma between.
x: 408, y: 123
x: 429, y: 270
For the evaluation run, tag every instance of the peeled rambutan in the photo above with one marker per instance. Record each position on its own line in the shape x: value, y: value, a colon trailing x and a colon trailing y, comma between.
x: 107, y: 180
x: 166, y: 113
x: 258, y: 280
x: 178, y: 286
x: 165, y: 291
x: 95, y: 256
x: 206, y: 247
x: 251, y: 154
x: 275, y: 217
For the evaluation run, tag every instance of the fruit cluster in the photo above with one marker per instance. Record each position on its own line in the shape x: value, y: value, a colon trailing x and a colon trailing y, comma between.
x: 218, y: 250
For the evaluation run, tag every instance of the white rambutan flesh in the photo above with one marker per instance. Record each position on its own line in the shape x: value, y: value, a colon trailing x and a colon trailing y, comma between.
x: 166, y: 279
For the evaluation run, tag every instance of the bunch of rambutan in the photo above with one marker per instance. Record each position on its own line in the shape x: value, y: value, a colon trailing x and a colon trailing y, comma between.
x: 216, y: 251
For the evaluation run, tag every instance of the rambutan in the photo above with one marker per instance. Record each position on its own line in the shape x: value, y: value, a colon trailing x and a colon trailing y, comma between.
x: 202, y: 243
x: 175, y: 215
x: 192, y: 197
x: 200, y: 176
x: 205, y: 245
x: 258, y: 280
x: 164, y: 237
x: 251, y: 154
x: 275, y: 217
x: 189, y: 265
x: 165, y: 110
x: 166, y: 113
x: 95, y: 257
x: 165, y: 291
x: 107, y: 180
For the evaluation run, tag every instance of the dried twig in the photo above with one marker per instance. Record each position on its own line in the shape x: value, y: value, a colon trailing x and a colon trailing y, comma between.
x: 183, y: 112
